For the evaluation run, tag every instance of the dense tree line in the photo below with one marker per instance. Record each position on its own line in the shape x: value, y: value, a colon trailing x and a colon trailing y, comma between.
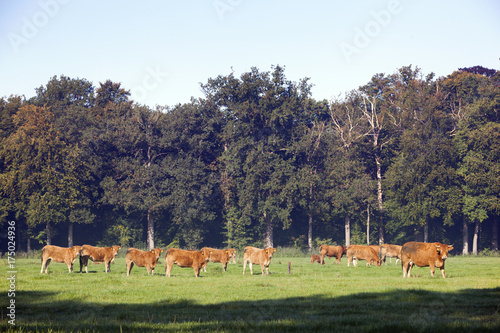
x: 256, y: 161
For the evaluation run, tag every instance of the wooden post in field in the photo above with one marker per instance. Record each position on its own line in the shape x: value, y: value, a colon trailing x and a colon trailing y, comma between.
x: 289, y: 264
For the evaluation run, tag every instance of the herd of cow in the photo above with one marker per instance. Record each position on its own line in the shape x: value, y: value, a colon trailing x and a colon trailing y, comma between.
x: 410, y: 254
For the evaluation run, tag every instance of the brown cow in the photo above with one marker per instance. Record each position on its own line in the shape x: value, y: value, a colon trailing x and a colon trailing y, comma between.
x: 98, y: 254
x: 424, y: 254
x: 391, y: 251
x: 147, y: 259
x: 232, y: 254
x: 257, y: 256
x: 315, y: 258
x: 66, y: 255
x: 215, y: 255
x: 332, y: 251
x: 185, y: 258
x: 362, y: 252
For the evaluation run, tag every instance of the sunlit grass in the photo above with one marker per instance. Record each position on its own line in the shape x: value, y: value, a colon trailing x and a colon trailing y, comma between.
x: 311, y: 298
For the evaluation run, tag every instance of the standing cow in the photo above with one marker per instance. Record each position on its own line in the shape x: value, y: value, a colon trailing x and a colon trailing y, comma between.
x: 185, y: 258
x: 98, y: 254
x: 147, y: 259
x: 391, y: 251
x: 65, y: 255
x: 362, y: 252
x: 215, y: 255
x: 332, y: 251
x: 257, y: 256
x: 423, y: 255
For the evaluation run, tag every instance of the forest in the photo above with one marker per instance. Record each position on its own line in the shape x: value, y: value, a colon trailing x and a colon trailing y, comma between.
x: 256, y: 161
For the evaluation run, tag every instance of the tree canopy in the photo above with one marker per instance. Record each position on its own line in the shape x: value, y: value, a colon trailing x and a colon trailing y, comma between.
x: 256, y: 161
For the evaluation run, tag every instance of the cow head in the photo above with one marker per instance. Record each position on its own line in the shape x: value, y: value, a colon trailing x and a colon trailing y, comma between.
x: 270, y: 251
x: 76, y: 249
x: 205, y: 254
x: 442, y: 250
x: 115, y: 249
x: 157, y: 252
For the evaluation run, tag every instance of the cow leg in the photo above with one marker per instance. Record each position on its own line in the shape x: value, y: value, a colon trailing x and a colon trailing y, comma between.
x: 84, y: 262
x: 224, y: 266
x: 432, y: 269
x: 129, y: 267
x: 244, y: 266
x: 168, y: 268
x: 322, y: 259
x: 404, y: 265
x: 46, y: 266
x: 442, y: 271
x: 70, y: 266
x: 43, y: 266
x: 196, y: 272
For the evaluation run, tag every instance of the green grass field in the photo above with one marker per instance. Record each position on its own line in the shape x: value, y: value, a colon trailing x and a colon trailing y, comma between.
x: 333, y: 298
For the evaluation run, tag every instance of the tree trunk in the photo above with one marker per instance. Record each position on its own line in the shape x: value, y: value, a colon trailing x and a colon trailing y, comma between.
x: 28, y: 245
x: 310, y: 233
x: 465, y: 237
x: 474, y: 242
x: 368, y: 225
x: 47, y: 231
x: 494, y: 234
x: 380, y: 203
x: 269, y: 231
x: 70, y: 234
x: 151, y: 233
x: 347, y: 230
x: 426, y: 231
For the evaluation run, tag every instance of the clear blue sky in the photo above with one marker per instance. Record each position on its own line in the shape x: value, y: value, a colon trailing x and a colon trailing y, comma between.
x: 162, y: 50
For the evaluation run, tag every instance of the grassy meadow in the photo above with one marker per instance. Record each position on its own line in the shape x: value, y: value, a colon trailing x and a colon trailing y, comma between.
x: 333, y: 298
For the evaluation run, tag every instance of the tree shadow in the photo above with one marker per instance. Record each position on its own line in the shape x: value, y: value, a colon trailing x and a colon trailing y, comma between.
x: 395, y: 311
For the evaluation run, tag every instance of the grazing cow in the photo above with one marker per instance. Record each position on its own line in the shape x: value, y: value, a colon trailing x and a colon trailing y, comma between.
x: 232, y: 254
x: 215, y: 255
x: 147, y: 259
x: 391, y: 251
x: 98, y: 254
x: 332, y: 251
x: 423, y: 255
x: 315, y: 258
x: 185, y: 258
x: 257, y: 256
x: 362, y: 252
x: 66, y: 255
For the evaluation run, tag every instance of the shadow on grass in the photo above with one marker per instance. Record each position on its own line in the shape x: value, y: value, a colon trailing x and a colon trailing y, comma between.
x: 471, y: 310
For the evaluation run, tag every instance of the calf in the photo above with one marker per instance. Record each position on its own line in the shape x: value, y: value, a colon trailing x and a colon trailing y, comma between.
x: 185, y: 258
x: 332, y: 251
x: 391, y: 251
x: 65, y: 255
x: 423, y: 255
x: 147, y: 259
x: 257, y: 256
x: 98, y: 254
x: 215, y: 255
x: 362, y: 252
x: 315, y: 258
